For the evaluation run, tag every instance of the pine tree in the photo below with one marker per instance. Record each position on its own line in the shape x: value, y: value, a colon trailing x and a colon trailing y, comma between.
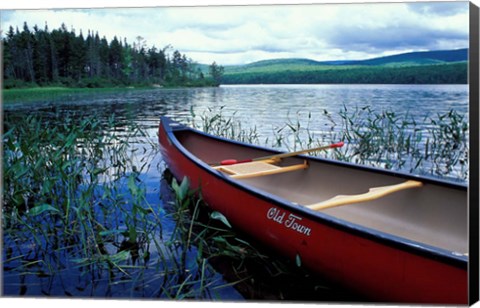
x: 216, y: 71
x: 62, y: 57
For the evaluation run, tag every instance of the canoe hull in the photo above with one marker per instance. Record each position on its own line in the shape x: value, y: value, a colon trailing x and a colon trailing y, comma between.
x: 368, y: 265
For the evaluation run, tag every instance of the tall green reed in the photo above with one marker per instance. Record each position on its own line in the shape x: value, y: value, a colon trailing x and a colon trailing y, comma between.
x: 72, y: 196
x: 214, y: 122
x: 75, y: 203
x: 435, y: 146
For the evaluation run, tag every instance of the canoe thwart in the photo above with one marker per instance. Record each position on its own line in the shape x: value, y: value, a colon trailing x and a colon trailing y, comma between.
x: 257, y: 168
x: 372, y: 194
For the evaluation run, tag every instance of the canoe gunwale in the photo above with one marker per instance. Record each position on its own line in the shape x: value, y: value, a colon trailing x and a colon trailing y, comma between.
x: 417, y: 248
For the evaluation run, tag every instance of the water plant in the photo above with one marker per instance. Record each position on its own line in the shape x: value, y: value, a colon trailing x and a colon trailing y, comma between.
x: 74, y: 204
x: 64, y: 202
x: 79, y: 220
x: 436, y: 146
x: 213, y: 121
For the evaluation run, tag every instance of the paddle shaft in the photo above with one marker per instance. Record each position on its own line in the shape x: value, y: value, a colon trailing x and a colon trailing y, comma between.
x: 279, y: 156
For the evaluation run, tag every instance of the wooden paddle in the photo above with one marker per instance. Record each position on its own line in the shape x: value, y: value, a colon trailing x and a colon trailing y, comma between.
x: 279, y: 156
x: 372, y: 194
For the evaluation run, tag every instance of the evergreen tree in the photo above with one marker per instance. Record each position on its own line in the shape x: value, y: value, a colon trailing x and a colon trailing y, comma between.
x: 216, y: 71
x: 64, y: 57
x: 26, y: 45
x: 9, y: 50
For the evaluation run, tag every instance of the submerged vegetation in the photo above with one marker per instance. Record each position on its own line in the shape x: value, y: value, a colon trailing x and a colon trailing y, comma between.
x: 75, y: 205
x: 72, y: 205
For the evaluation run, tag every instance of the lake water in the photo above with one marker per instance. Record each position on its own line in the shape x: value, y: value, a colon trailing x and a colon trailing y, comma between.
x: 271, y: 105
x: 268, y: 107
x: 265, y: 107
x: 316, y: 109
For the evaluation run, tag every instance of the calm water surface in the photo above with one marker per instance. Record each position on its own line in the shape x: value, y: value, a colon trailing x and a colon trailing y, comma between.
x: 265, y: 107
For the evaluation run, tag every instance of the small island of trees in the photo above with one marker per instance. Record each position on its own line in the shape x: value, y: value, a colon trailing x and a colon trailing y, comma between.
x: 62, y: 57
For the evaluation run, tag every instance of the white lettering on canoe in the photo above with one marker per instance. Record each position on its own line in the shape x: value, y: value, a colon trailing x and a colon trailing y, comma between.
x: 291, y: 221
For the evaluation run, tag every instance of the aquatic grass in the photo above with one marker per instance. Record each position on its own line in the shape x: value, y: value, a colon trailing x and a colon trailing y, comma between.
x: 214, y: 122
x: 382, y: 139
x: 75, y: 203
x: 448, y: 146
x: 294, y: 134
x: 436, y: 146
x: 72, y: 195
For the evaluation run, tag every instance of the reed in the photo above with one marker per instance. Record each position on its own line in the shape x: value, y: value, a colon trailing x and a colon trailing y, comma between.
x: 75, y: 208
x: 51, y: 200
x: 214, y: 122
x: 73, y: 199
x: 436, y: 146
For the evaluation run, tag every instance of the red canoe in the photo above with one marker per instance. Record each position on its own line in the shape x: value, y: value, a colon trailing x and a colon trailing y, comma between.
x: 391, y: 237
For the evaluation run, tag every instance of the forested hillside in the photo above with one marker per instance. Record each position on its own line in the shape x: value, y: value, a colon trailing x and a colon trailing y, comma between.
x: 412, y: 58
x: 454, y: 73
x: 432, y: 67
x: 40, y: 57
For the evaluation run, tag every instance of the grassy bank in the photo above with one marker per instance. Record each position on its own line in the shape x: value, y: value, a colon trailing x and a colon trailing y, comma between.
x: 40, y: 94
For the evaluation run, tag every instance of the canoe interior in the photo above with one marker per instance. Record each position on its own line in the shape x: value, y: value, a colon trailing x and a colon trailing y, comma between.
x: 433, y: 214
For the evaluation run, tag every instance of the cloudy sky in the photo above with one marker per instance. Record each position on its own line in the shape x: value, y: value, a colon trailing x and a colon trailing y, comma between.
x: 242, y: 34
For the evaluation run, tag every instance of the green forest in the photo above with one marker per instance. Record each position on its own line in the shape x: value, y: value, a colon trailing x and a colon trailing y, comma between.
x: 62, y: 57
x: 294, y: 73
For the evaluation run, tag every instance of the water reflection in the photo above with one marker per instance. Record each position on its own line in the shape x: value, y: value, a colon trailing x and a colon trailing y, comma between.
x: 268, y: 105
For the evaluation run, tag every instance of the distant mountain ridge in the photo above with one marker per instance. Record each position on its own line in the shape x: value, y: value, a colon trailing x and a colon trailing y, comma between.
x: 423, y: 67
x: 418, y: 58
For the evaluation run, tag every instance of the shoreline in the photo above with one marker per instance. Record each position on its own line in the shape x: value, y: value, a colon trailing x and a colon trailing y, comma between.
x: 42, y: 94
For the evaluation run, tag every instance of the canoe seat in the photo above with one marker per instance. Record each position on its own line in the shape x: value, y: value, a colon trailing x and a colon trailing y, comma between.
x: 372, y: 194
x: 257, y: 168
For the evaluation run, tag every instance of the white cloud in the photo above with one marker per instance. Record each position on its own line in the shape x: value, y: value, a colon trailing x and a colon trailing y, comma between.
x: 239, y: 34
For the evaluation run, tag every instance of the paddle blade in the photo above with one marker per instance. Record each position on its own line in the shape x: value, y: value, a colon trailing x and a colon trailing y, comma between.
x: 337, y: 145
x: 227, y: 162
